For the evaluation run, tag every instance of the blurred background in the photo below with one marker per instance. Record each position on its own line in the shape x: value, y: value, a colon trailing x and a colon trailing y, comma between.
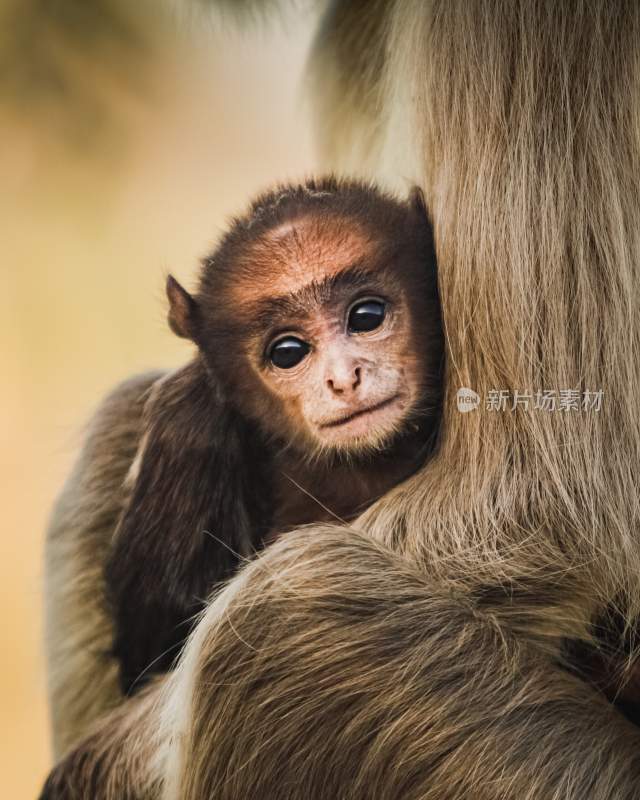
x: 129, y: 133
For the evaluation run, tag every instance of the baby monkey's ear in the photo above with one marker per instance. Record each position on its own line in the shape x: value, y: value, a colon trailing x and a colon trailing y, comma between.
x: 183, y: 310
x: 418, y: 203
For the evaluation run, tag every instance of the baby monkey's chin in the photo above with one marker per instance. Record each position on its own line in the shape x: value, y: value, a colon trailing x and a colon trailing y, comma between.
x: 369, y: 427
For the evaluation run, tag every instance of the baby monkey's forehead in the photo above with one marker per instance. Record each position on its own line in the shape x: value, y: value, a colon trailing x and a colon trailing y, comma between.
x: 302, y: 253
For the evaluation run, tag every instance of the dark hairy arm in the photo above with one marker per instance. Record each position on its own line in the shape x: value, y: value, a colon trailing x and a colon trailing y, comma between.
x: 197, y: 506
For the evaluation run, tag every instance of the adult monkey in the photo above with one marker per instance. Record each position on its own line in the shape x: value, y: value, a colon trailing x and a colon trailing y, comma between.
x: 431, y: 658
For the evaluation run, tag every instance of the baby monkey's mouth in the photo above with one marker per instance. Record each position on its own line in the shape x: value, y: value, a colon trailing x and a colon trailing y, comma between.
x: 370, y: 409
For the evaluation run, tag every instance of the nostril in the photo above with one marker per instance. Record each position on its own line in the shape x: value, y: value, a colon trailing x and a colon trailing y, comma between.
x: 347, y: 382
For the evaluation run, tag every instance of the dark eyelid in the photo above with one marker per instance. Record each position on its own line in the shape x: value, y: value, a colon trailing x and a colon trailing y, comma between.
x: 372, y: 296
x: 272, y: 338
x: 300, y: 352
x: 363, y: 299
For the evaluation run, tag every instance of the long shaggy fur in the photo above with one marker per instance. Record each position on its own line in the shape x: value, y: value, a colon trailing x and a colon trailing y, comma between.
x: 82, y: 676
x: 340, y: 671
x: 429, y: 656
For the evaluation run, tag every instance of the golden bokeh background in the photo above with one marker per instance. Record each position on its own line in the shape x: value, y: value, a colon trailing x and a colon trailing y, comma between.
x: 122, y: 156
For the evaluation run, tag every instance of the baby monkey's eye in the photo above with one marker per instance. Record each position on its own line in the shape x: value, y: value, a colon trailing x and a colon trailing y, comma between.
x: 288, y: 352
x: 366, y: 316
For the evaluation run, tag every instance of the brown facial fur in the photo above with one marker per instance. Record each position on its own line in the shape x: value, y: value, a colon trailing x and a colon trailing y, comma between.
x: 389, y: 362
x: 299, y: 252
x: 296, y: 265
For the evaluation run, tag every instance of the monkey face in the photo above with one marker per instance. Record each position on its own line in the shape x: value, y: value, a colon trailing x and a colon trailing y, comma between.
x: 348, y: 375
x: 341, y: 356
x: 319, y: 318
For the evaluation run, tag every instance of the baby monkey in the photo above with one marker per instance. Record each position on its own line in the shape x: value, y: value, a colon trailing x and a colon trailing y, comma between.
x: 314, y: 389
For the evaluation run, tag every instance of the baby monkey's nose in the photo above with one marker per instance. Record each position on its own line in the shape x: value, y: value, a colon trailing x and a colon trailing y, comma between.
x: 345, y: 381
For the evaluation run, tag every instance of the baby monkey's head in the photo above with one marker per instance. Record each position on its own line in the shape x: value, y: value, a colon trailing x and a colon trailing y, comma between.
x: 318, y: 316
